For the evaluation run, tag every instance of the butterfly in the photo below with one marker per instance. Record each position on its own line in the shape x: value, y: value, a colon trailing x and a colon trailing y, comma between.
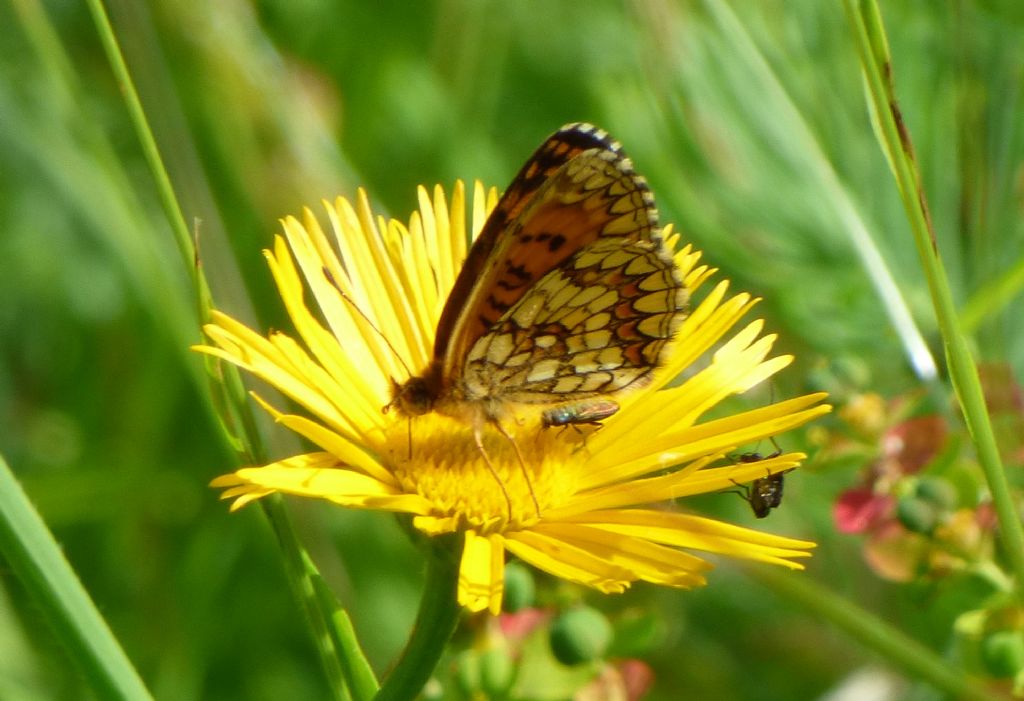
x: 568, y: 294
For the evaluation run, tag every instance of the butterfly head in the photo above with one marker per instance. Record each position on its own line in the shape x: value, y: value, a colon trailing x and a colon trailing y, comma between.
x: 417, y: 395
x: 410, y: 398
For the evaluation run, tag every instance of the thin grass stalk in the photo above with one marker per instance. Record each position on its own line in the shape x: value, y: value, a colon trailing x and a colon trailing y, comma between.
x: 359, y: 676
x: 882, y: 278
x: 873, y: 47
x: 992, y: 297
x: 298, y: 565
x: 894, y: 647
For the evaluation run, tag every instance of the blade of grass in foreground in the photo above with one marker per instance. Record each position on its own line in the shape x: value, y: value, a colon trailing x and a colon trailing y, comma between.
x: 763, y: 90
x: 873, y: 47
x: 297, y: 564
x: 30, y: 550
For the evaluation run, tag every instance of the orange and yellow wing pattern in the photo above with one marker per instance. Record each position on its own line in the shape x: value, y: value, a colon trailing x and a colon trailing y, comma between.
x: 569, y: 291
x: 468, y: 313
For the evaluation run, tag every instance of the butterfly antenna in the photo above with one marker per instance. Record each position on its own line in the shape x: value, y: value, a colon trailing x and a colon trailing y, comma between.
x: 360, y: 312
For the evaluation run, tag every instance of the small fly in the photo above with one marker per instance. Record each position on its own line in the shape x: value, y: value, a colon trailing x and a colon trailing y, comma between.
x: 588, y: 412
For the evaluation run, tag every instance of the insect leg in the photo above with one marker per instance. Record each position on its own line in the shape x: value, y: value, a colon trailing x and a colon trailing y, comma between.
x: 478, y: 438
x: 522, y: 466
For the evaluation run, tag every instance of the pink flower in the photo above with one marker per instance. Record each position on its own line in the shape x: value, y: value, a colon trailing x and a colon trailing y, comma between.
x: 860, y: 510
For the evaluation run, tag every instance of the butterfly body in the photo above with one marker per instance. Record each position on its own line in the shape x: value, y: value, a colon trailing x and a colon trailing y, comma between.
x: 567, y: 294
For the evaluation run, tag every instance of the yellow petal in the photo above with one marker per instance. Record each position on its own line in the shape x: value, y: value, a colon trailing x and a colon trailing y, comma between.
x: 320, y: 475
x: 709, y: 535
x: 641, y: 557
x: 568, y: 561
x: 347, y: 452
x: 481, y: 573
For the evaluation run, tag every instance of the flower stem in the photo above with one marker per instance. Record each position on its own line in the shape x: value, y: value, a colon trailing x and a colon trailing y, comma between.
x: 435, y: 623
x: 893, y: 646
x: 29, y: 549
x: 873, y: 46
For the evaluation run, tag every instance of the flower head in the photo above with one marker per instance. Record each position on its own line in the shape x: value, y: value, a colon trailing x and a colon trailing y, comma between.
x: 567, y: 499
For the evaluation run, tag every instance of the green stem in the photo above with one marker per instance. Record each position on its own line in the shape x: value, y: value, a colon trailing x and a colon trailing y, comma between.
x: 435, y: 623
x: 236, y: 412
x: 297, y: 567
x: 30, y: 550
x: 168, y: 198
x: 894, y: 647
x: 873, y: 47
x: 806, y: 150
x: 358, y: 674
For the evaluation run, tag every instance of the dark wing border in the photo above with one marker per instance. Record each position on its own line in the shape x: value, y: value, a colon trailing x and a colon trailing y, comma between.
x: 558, y: 149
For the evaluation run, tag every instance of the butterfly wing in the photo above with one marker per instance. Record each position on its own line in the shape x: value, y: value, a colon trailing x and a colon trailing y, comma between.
x: 498, y: 269
x: 597, y: 324
x: 576, y: 295
x: 579, y: 190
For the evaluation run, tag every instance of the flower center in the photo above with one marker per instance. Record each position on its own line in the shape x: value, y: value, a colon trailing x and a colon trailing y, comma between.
x: 501, y: 484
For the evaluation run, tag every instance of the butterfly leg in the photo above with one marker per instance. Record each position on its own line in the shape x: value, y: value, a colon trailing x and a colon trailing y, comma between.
x: 522, y: 466
x: 478, y: 439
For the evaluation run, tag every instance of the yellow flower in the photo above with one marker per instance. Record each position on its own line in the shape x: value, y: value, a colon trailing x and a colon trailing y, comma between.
x: 579, y: 512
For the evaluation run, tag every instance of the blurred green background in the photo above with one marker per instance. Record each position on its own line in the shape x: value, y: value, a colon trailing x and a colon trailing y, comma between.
x: 748, y: 119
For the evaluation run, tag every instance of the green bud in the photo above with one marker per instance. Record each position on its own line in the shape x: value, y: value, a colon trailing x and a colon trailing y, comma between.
x: 520, y: 590
x: 580, y: 635
x: 917, y: 515
x: 467, y: 672
x: 938, y: 491
x: 1002, y: 653
x: 496, y: 672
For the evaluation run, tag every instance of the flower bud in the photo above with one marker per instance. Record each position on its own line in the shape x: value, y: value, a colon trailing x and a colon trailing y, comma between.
x: 496, y: 672
x: 938, y: 491
x: 580, y: 635
x: 917, y: 515
x: 520, y: 590
x: 467, y: 672
x: 1002, y: 653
